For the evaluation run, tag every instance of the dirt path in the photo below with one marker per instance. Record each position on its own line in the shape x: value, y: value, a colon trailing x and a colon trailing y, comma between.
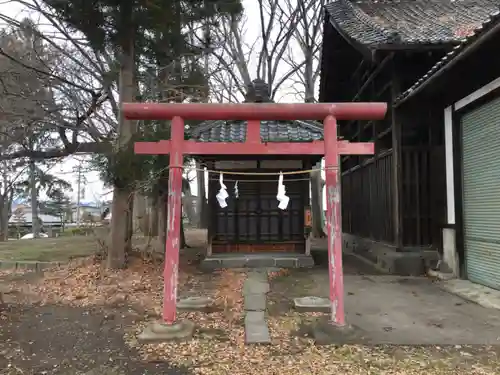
x: 66, y: 340
x: 79, y: 329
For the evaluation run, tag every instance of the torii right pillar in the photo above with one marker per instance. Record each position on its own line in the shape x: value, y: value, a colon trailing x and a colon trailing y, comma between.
x: 334, y: 217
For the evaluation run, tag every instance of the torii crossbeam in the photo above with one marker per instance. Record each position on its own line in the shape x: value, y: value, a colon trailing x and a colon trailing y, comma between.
x: 177, y: 147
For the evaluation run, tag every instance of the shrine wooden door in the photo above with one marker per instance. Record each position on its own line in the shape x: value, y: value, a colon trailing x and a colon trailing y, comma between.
x: 252, y: 222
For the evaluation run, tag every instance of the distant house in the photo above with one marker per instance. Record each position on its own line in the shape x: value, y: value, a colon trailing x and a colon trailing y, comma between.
x: 91, y: 208
x: 22, y: 216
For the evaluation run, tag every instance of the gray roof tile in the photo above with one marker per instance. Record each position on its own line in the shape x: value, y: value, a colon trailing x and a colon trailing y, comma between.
x: 494, y: 20
x: 270, y: 131
x: 375, y: 23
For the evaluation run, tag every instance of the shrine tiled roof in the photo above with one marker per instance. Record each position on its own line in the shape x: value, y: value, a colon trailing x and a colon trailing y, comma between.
x: 405, y: 22
x: 494, y: 20
x: 270, y: 131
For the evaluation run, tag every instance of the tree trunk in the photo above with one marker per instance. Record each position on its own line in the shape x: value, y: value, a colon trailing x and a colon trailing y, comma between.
x: 5, y: 205
x: 35, y: 223
x: 140, y: 214
x: 122, y: 208
x: 162, y: 221
x: 130, y: 225
x: 153, y: 216
x: 4, y: 221
x: 183, y: 236
x: 316, y: 204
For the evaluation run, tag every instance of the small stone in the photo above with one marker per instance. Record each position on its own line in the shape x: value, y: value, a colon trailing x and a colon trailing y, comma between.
x: 197, y: 303
x: 312, y: 304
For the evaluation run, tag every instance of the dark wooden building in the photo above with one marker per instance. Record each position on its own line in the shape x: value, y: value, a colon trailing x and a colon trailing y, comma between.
x: 252, y: 224
x: 394, y: 204
x: 461, y: 97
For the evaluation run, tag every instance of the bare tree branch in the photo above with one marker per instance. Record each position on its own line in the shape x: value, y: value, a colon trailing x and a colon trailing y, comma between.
x: 77, y: 100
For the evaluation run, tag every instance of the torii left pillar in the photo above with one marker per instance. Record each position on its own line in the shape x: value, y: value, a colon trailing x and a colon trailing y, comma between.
x: 169, y: 328
x: 331, y: 148
x: 174, y: 217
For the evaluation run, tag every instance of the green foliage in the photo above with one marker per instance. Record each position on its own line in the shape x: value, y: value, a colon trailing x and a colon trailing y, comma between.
x: 81, y: 231
x: 52, y: 185
x: 124, y: 169
x: 103, y: 21
x: 59, y: 204
x: 162, y: 32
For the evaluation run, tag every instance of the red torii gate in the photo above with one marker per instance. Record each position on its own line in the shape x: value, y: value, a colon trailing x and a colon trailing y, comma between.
x: 253, y: 113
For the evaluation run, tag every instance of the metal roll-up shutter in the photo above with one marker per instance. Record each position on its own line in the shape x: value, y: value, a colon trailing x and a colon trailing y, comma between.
x: 481, y: 193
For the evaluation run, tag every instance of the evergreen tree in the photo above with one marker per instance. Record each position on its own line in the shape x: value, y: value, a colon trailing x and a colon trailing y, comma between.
x: 142, y: 31
x: 58, y: 204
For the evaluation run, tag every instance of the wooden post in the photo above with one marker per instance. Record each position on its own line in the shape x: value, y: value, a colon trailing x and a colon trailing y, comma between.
x: 333, y: 222
x: 174, y: 218
x: 397, y: 176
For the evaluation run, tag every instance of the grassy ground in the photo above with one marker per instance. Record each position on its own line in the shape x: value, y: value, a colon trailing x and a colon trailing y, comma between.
x: 48, y: 249
x: 65, y: 248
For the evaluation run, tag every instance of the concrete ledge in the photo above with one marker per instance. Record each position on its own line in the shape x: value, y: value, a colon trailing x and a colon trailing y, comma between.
x: 280, y: 260
x: 482, y: 295
x: 387, y: 259
x: 441, y: 275
x: 28, y: 265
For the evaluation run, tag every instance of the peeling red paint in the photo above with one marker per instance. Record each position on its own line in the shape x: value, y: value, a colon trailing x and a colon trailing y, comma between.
x: 252, y: 147
x: 331, y: 148
x: 253, y: 132
x: 254, y: 111
x: 334, y: 224
x: 173, y: 223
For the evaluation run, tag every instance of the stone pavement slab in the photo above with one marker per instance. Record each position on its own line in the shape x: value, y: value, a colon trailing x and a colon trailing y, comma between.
x: 255, y: 289
x: 256, y: 330
x: 255, y: 302
x: 413, y: 311
x: 479, y: 294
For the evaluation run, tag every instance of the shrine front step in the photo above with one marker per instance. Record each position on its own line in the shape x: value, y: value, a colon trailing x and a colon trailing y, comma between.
x: 260, y: 260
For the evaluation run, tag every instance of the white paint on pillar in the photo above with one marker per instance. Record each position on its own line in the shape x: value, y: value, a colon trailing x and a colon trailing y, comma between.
x: 450, y: 183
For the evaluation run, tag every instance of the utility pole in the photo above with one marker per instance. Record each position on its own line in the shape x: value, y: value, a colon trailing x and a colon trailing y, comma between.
x: 35, y: 221
x: 79, y: 192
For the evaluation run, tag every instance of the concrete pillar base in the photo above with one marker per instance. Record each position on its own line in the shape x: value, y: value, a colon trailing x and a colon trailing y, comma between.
x: 325, y: 332
x: 159, y: 332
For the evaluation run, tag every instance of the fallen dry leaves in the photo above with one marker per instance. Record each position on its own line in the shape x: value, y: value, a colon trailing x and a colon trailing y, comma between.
x: 218, y: 346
